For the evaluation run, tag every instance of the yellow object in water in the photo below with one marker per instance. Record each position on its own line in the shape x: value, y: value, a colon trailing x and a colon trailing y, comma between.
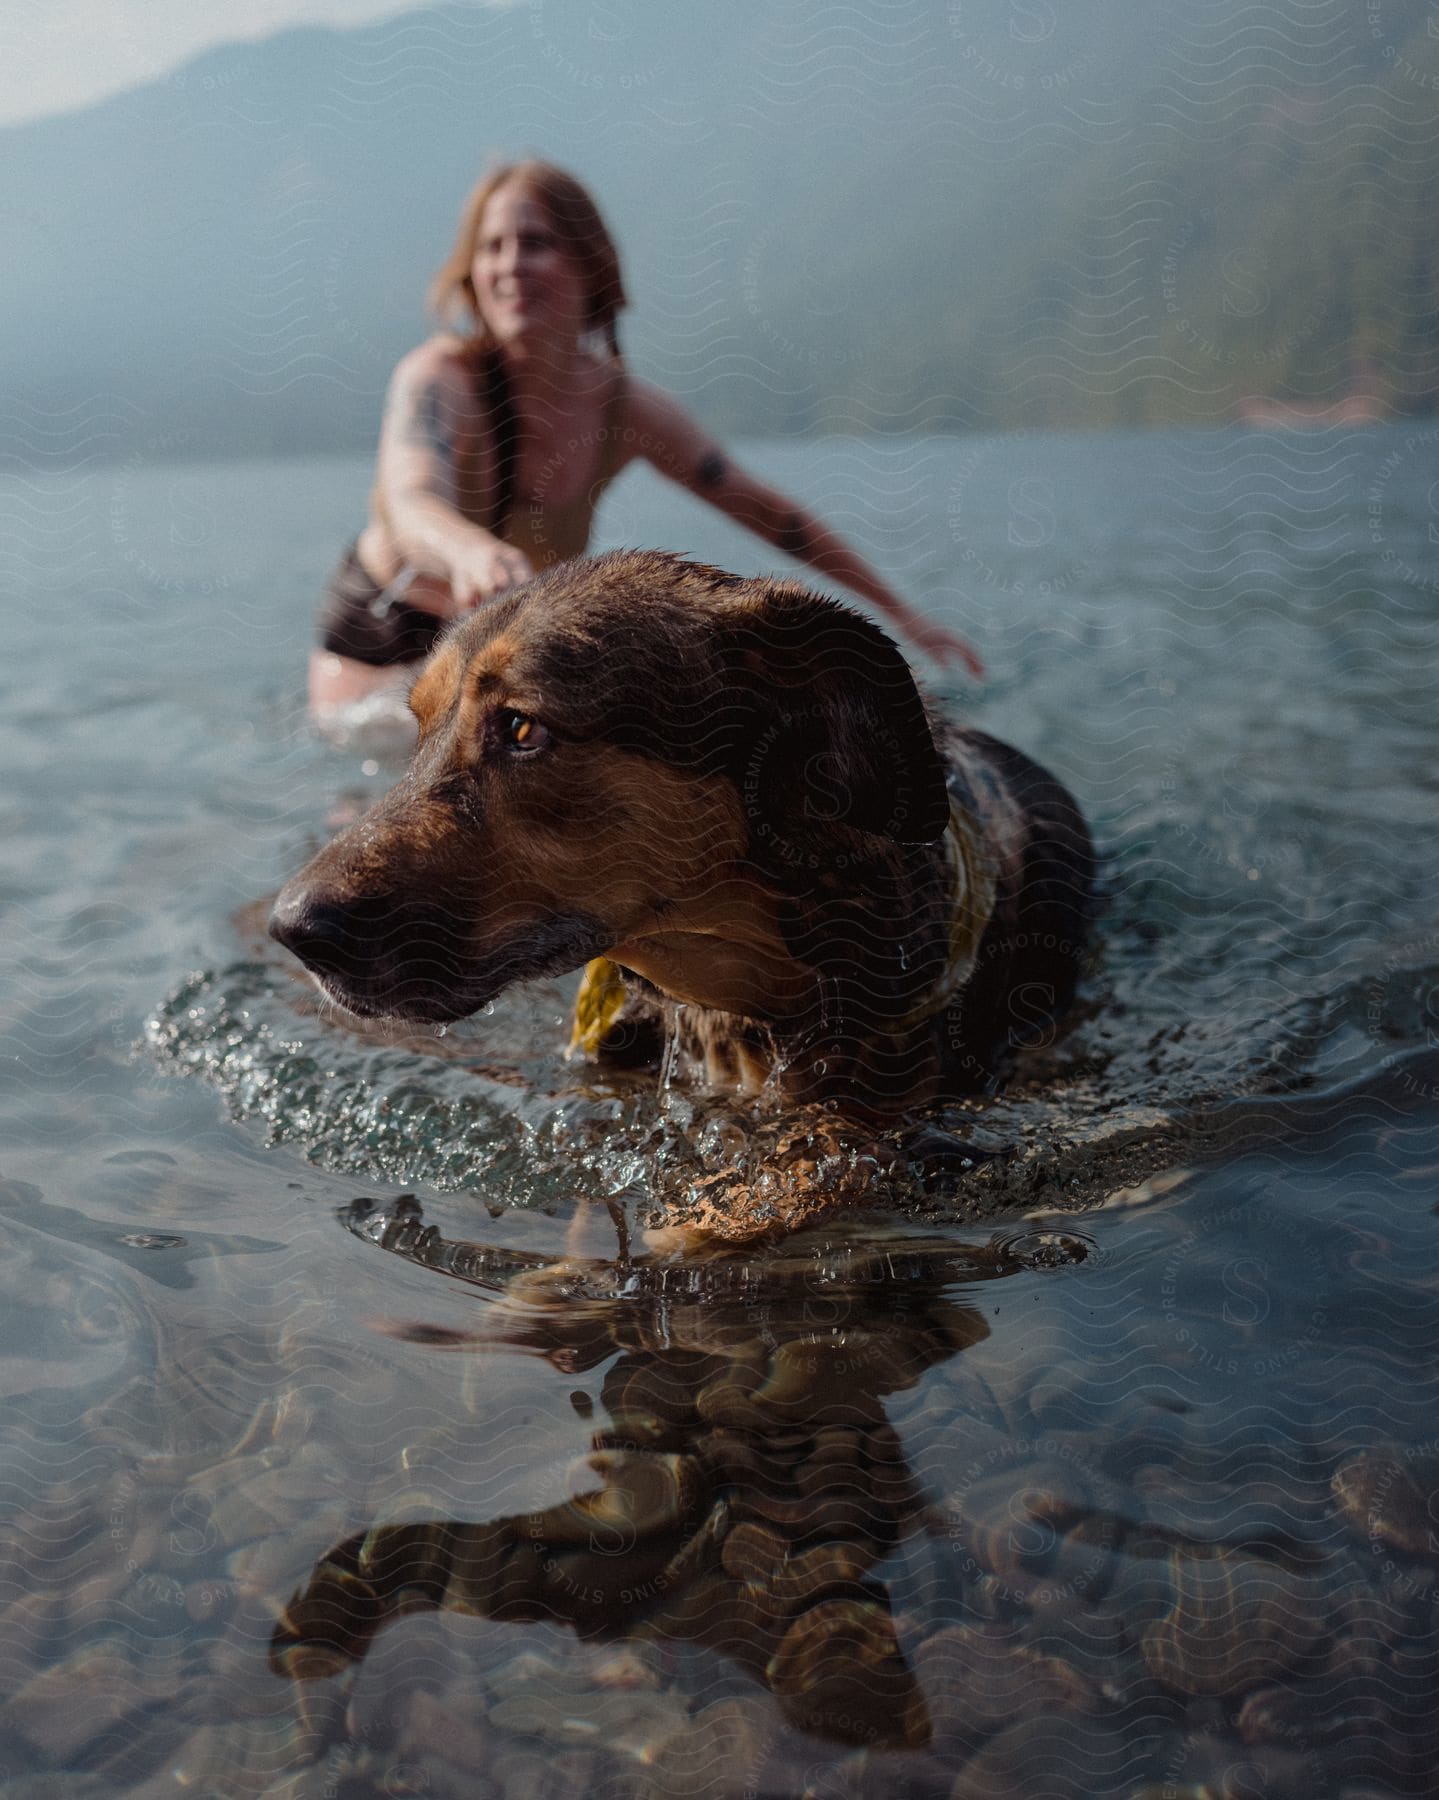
x: 597, y: 1005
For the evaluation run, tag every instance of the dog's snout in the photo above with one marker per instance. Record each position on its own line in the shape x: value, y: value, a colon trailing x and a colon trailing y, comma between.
x: 322, y: 933
x: 377, y: 953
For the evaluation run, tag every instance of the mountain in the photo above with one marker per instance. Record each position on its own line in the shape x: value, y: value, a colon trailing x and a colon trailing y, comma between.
x: 956, y: 213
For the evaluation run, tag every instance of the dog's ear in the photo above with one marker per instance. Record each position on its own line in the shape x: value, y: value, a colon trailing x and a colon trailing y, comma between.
x: 833, y: 729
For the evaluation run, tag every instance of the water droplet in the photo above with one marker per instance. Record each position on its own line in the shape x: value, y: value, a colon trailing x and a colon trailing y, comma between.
x: 671, y: 1051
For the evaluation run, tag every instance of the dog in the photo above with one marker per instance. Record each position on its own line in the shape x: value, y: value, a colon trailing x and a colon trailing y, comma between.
x: 732, y: 792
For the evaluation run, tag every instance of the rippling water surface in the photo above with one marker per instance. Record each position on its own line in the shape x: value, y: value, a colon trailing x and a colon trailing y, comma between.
x: 354, y: 1438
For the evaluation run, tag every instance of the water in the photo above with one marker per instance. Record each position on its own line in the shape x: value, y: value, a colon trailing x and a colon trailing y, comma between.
x: 346, y: 1450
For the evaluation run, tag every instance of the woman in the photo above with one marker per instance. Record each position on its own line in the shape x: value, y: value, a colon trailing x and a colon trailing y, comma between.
x: 496, y: 446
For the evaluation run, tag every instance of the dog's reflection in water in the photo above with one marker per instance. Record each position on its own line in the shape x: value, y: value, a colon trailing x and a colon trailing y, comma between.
x: 743, y: 1485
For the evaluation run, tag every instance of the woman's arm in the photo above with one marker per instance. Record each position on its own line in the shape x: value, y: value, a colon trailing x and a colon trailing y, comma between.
x: 670, y: 439
x: 429, y: 409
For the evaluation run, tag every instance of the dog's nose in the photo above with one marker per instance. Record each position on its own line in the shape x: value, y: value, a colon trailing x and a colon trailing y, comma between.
x: 320, y: 932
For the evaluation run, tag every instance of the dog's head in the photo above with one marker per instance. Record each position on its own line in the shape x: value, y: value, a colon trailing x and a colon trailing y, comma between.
x: 607, y: 755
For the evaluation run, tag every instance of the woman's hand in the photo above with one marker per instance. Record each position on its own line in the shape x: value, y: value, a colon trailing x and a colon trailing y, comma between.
x: 942, y: 645
x: 430, y: 413
x: 480, y: 573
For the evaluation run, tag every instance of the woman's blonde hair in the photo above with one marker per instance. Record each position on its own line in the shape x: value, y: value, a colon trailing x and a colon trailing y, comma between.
x: 575, y: 220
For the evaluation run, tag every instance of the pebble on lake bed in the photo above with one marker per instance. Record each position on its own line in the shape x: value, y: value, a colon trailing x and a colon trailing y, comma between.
x: 630, y: 1722
x: 68, y: 1705
x: 1236, y: 1621
x: 839, y: 1671
x: 723, y: 1752
x: 979, y: 1679
x: 1390, y: 1497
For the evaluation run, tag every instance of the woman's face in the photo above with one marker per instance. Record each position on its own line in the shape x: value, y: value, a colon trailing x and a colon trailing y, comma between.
x: 526, y: 283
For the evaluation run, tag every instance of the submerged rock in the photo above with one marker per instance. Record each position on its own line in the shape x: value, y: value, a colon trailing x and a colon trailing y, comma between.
x: 1388, y: 1497
x: 839, y: 1671
x: 639, y: 1494
x: 70, y: 1704
x: 719, y: 1753
x: 1236, y: 1621
x: 632, y: 1722
x: 752, y: 1552
x: 977, y: 1680
x: 1060, y: 1756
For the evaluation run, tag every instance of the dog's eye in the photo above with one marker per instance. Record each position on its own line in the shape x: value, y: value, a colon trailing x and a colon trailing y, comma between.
x: 522, y: 734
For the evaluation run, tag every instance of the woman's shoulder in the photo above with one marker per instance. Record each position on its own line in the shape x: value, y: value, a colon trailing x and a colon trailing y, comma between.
x: 650, y: 409
x: 443, y: 357
x: 602, y: 379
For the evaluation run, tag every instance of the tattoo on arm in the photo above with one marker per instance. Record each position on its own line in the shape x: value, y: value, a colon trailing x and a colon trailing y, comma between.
x: 426, y: 426
x: 712, y: 470
x: 794, y: 535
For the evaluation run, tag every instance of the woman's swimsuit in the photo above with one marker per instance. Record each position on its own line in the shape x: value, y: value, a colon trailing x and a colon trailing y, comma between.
x: 364, y: 621
x: 374, y: 625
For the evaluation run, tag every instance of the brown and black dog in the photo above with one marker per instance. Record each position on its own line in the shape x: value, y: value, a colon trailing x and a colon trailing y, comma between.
x: 732, y: 790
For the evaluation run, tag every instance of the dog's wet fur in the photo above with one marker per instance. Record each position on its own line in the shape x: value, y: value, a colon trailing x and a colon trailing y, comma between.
x: 733, y: 789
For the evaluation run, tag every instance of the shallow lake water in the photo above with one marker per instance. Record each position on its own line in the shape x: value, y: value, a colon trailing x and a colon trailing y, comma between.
x: 348, y: 1449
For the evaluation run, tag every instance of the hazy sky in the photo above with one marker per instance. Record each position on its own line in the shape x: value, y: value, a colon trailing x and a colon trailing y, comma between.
x: 59, y: 54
